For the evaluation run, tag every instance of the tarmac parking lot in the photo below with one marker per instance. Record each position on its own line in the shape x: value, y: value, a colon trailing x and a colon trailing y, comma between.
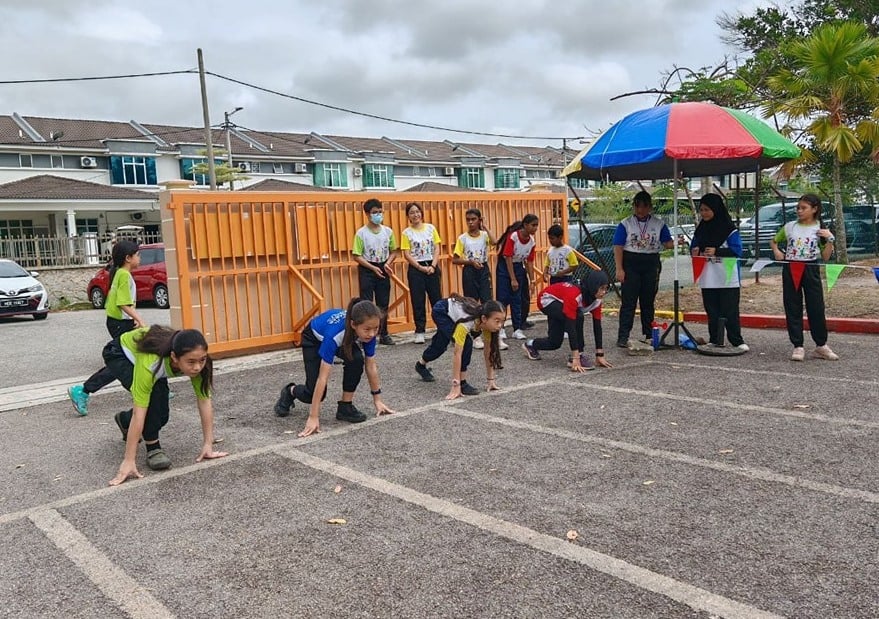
x: 673, y: 485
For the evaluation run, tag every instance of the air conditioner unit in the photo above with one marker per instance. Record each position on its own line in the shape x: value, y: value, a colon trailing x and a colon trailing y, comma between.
x: 244, y: 166
x: 300, y: 168
x: 357, y: 171
x: 449, y: 171
x: 523, y: 173
x: 88, y: 162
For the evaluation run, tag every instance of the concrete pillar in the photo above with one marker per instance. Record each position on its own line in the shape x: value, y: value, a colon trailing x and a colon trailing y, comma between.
x: 71, y: 222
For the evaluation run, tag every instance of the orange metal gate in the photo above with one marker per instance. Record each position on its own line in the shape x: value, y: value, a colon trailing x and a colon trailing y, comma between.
x: 250, y: 269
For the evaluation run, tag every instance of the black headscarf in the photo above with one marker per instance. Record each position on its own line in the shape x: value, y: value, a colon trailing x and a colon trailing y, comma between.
x: 714, y: 232
x: 590, y: 284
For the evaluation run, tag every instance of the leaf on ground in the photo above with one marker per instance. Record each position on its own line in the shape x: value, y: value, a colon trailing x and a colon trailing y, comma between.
x: 572, y: 535
x: 674, y: 423
x: 56, y: 478
x: 103, y: 423
x: 726, y: 451
x: 492, y: 470
x: 802, y: 406
x: 218, y: 440
x: 601, y: 407
x: 337, y: 521
x: 606, y: 455
x: 230, y: 418
x: 18, y: 466
x: 337, y: 489
x: 649, y: 482
x: 289, y: 431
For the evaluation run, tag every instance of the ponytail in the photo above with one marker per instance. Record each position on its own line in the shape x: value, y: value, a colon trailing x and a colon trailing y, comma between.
x: 530, y: 218
x: 358, y: 311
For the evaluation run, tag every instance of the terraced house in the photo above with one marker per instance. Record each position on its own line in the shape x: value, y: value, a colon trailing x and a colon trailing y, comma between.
x: 64, y: 179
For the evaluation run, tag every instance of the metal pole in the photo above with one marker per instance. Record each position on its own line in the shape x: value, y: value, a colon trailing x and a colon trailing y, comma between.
x: 212, y: 173
x: 229, y: 150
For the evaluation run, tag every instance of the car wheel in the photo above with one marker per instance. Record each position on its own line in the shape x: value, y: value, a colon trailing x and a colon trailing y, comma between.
x: 160, y: 296
x: 42, y: 316
x: 96, y: 296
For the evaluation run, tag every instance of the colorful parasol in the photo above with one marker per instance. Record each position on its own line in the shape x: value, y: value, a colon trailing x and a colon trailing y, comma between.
x: 682, y: 139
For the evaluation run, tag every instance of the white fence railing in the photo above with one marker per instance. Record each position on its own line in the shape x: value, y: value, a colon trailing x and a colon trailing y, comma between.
x: 51, y: 251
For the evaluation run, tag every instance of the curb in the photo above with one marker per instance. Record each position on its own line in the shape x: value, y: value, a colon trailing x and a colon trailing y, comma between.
x: 764, y: 321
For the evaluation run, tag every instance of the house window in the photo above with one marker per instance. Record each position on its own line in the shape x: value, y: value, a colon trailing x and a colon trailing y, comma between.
x: 579, y: 183
x: 57, y: 161
x: 378, y: 175
x: 506, y: 178
x: 277, y: 168
x: 128, y: 170
x: 84, y: 226
x: 186, y: 171
x: 254, y: 166
x: 16, y: 228
x: 471, y: 178
x: 26, y: 161
x: 330, y: 175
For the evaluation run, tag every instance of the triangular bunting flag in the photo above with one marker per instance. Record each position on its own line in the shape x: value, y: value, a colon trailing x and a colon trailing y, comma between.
x: 796, y: 272
x: 730, y: 265
x: 833, y: 271
x: 876, y: 273
x: 699, y: 266
x: 760, y: 264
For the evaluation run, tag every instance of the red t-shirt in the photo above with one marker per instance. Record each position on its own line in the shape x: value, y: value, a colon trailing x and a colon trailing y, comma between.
x: 518, y: 249
x: 571, y: 299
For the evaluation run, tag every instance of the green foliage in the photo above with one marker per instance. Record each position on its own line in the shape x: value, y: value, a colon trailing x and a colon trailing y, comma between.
x: 609, y: 202
x: 223, y: 170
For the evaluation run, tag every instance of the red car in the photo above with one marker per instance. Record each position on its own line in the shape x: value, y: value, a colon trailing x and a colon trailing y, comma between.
x: 150, y: 277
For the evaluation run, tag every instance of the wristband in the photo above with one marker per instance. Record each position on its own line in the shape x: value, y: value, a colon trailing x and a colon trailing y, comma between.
x: 376, y: 392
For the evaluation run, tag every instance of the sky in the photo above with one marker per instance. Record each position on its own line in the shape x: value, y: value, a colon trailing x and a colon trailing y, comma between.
x: 535, y: 68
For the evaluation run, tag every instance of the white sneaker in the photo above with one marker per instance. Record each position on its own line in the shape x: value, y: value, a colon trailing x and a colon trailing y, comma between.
x: 518, y: 335
x: 824, y: 352
x: 418, y: 339
x: 503, y: 345
x: 503, y: 334
x: 565, y: 335
x: 478, y: 344
x: 799, y: 354
x: 743, y: 347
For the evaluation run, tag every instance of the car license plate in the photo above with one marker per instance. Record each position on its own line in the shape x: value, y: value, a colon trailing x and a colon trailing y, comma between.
x: 13, y: 302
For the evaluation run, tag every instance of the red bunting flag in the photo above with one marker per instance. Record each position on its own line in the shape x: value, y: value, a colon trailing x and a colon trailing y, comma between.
x: 699, y: 263
x: 796, y: 272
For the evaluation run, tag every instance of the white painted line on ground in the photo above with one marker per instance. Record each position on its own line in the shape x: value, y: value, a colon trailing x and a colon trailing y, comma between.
x: 36, y: 394
x: 109, y: 578
x: 752, y: 408
x: 773, y: 373
x: 749, y: 472
x: 694, y: 597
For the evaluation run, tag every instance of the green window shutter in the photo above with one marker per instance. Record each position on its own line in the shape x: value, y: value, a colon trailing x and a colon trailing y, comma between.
x: 319, y: 178
x: 499, y: 179
x: 151, y: 178
x: 116, y: 175
x: 343, y: 169
x: 368, y: 175
x: 390, y: 176
x: 481, y: 178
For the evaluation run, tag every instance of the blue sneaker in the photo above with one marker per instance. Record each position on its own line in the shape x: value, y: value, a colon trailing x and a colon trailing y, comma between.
x: 530, y: 351
x: 79, y: 398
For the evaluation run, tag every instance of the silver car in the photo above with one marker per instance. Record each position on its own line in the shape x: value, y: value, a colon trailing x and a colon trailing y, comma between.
x: 21, y: 293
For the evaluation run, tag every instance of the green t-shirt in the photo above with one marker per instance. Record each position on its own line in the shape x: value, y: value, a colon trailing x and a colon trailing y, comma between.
x: 149, y: 368
x: 122, y: 292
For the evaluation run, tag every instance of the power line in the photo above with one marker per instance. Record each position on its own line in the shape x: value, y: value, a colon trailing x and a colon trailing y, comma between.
x: 387, y: 119
x: 94, y: 78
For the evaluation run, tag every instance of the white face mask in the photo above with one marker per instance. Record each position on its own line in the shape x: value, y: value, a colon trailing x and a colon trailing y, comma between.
x: 376, y: 218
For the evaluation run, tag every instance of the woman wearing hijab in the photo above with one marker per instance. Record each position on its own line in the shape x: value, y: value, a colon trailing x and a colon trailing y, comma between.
x: 716, y: 238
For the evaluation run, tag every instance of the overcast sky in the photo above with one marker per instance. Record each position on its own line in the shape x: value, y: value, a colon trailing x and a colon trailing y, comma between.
x: 530, y: 67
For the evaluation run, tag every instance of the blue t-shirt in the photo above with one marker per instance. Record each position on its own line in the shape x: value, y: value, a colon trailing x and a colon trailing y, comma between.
x: 329, y: 329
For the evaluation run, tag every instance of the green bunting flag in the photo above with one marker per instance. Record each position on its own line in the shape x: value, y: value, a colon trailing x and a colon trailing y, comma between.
x: 833, y: 271
x: 730, y: 265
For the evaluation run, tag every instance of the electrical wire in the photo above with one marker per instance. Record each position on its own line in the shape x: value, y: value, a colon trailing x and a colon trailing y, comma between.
x: 387, y: 119
x: 52, y: 80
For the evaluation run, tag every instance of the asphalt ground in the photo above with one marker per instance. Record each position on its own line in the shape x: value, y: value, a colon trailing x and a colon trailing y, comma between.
x: 697, y: 487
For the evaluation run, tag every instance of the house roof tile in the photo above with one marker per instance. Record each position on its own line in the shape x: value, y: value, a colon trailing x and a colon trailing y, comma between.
x: 49, y: 187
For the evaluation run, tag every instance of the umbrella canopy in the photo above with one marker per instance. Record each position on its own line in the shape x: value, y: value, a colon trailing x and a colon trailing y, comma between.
x: 696, y: 139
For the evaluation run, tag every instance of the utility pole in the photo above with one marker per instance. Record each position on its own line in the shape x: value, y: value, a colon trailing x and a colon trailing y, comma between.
x: 228, y: 126
x: 212, y: 172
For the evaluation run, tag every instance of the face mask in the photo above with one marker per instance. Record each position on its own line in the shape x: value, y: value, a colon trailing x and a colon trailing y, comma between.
x: 376, y: 218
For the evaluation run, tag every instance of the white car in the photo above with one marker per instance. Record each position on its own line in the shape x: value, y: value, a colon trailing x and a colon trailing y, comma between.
x: 21, y: 293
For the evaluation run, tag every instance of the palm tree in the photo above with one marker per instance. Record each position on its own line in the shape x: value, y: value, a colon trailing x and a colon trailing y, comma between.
x: 832, y: 85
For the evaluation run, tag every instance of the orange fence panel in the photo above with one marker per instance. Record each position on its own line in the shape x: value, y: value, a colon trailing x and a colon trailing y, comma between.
x: 250, y: 269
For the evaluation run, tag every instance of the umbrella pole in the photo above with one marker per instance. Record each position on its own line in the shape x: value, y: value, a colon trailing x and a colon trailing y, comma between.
x: 677, y: 324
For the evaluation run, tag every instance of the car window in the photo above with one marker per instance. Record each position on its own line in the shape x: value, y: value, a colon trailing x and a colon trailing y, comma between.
x: 160, y: 255
x: 147, y: 256
x: 11, y: 269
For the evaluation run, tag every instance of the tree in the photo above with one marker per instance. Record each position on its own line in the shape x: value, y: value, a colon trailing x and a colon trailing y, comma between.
x: 831, y: 84
x: 224, y: 171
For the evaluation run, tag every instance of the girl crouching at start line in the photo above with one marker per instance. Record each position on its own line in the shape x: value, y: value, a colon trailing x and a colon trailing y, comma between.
x: 143, y: 360
x: 455, y: 318
x: 564, y: 305
x: 351, y: 336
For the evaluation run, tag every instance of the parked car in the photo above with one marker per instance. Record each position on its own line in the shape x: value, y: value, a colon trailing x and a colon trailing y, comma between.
x: 602, y: 236
x: 21, y: 293
x: 150, y: 277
